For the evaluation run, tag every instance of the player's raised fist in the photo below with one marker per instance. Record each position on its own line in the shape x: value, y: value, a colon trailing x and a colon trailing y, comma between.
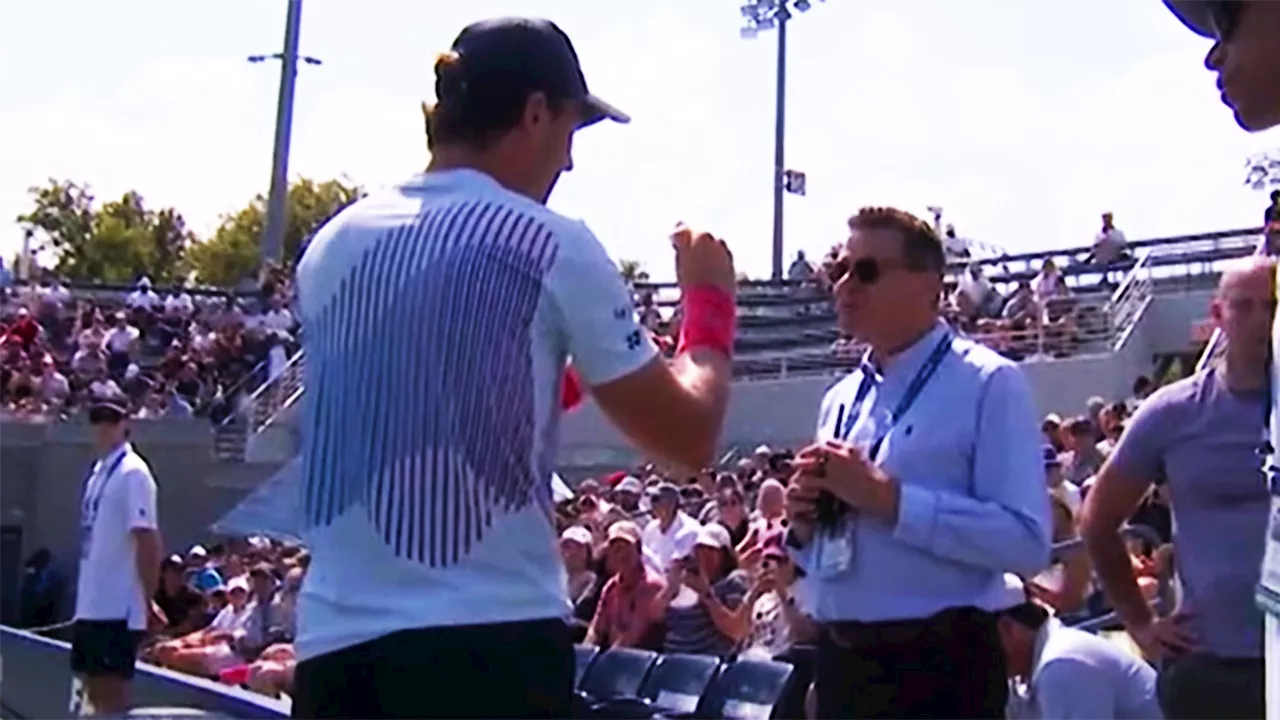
x: 702, y: 259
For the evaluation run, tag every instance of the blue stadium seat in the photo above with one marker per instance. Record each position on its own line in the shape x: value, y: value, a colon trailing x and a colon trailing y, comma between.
x: 584, y: 655
x: 674, y: 687
x: 746, y: 690
x: 617, y: 672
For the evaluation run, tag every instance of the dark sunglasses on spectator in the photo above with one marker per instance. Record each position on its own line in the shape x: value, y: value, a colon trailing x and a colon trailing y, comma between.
x: 1225, y: 16
x: 867, y: 271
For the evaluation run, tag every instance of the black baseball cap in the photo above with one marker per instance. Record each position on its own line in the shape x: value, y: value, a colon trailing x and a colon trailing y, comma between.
x: 1197, y: 15
x: 106, y: 410
x: 528, y: 55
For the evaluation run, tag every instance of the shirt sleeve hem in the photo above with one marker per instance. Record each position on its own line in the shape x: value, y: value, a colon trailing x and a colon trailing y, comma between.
x: 917, y: 515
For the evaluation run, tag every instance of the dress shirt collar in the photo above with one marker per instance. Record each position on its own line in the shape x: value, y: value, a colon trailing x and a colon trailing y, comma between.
x: 906, y: 363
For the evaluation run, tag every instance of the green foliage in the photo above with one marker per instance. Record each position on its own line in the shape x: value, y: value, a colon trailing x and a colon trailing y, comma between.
x: 123, y: 239
x: 117, y: 242
x: 232, y: 254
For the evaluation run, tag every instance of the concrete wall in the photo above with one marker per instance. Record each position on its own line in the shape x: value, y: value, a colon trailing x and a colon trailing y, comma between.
x: 36, y: 683
x: 43, y: 467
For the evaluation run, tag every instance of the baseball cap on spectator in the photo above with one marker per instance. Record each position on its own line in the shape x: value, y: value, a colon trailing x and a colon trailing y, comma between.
x: 624, y: 530
x: 577, y: 534
x: 498, y: 58
x: 713, y: 536
x: 764, y: 450
x: 1080, y: 427
x: 613, y: 479
x: 665, y: 491
x: 238, y: 583
x: 630, y: 484
x: 726, y: 481
x: 173, y: 562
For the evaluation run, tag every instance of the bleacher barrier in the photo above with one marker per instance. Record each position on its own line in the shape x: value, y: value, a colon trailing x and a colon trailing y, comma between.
x: 1109, y: 620
x: 35, y: 682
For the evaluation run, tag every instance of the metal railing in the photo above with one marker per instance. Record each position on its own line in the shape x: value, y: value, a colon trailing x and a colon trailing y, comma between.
x: 277, y: 393
x: 1217, y: 345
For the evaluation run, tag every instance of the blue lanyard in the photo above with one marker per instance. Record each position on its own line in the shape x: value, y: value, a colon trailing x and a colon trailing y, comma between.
x: 845, y: 421
x: 92, y: 501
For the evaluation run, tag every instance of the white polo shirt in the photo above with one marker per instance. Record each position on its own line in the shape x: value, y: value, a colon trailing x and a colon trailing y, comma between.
x: 119, y: 497
x: 438, y: 318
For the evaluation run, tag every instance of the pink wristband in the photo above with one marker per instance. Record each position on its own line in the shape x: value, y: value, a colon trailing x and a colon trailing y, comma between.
x: 710, y: 320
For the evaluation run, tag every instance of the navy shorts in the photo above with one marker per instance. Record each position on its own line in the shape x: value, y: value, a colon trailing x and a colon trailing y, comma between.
x: 104, y: 647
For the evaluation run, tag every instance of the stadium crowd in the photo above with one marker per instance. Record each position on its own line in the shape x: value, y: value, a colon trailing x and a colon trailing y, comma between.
x: 672, y: 564
x: 181, y: 353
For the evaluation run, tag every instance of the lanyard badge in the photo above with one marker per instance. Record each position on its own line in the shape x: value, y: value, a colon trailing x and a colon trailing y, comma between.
x: 93, y: 500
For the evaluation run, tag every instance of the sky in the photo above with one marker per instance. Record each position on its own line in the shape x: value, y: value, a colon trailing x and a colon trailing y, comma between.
x: 1023, y: 119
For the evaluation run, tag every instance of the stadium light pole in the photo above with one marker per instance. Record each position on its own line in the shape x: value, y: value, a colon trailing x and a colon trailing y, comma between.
x: 769, y: 15
x: 272, y: 245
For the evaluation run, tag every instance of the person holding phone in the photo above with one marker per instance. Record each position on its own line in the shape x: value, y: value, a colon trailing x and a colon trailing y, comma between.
x: 703, y: 592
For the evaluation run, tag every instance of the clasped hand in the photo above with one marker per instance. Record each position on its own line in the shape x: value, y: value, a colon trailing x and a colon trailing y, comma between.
x: 845, y: 472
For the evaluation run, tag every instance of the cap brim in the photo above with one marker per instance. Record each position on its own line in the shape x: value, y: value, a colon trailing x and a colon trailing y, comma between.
x: 1194, y: 14
x: 595, y: 110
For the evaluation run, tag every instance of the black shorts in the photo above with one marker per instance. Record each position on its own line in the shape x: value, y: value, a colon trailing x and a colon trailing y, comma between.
x: 104, y: 647
x: 506, y: 670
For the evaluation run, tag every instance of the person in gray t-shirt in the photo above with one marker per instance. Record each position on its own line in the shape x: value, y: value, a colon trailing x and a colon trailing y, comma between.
x: 1201, y: 436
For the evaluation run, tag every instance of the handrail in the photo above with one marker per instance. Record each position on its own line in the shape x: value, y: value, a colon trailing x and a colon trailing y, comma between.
x: 1130, y: 278
x: 1217, y: 341
x: 240, y: 386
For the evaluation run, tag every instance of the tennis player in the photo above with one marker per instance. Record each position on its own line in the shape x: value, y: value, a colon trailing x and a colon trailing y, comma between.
x: 438, y: 321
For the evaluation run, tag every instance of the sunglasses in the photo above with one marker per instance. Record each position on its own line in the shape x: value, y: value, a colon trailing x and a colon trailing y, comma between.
x: 867, y: 271
x: 1225, y: 17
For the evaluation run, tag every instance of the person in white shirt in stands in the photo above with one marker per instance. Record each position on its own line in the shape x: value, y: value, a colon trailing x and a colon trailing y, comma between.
x: 1060, y: 673
x: 179, y: 304
x: 1109, y: 245
x: 120, y: 559
x: 436, y: 587
x: 671, y: 533
x: 143, y: 296
x: 277, y: 318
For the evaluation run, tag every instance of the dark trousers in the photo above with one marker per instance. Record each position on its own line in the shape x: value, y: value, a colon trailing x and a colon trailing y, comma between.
x: 950, y: 665
x: 1200, y: 686
x: 508, y: 670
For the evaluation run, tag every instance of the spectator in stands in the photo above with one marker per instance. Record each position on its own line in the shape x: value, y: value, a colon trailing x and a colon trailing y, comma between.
x: 1059, y: 485
x: 41, y: 591
x: 774, y: 611
x: 1049, y: 282
x: 702, y: 595
x: 1068, y: 674
x: 217, y: 647
x: 143, y: 297
x: 1200, y: 436
x: 1112, y: 422
x: 800, y: 269
x: 980, y: 293
x: 576, y: 547
x: 1082, y: 459
x: 1143, y: 386
x: 121, y: 344
x: 1051, y: 429
x: 770, y: 515
x: 182, y: 606
x: 626, y: 614
x: 1110, y: 245
x: 671, y: 533
x: 1272, y: 213
x: 730, y: 511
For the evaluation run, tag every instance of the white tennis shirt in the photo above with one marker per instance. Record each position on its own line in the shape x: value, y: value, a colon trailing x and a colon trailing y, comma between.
x: 437, y: 320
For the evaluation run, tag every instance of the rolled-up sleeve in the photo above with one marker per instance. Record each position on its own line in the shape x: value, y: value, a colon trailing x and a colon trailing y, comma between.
x: 1005, y: 523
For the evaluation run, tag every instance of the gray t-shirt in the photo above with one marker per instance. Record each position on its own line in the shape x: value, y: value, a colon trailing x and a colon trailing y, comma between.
x: 1203, y: 440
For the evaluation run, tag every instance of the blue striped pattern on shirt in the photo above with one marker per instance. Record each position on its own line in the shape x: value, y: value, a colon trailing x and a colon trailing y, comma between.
x: 421, y: 392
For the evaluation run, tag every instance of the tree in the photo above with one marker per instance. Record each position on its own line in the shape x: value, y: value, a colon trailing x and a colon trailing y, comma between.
x: 232, y: 254
x: 116, y: 243
x: 632, y: 272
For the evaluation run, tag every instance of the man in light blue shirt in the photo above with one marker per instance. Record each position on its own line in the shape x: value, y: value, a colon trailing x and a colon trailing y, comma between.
x: 924, y: 487
x: 1066, y: 674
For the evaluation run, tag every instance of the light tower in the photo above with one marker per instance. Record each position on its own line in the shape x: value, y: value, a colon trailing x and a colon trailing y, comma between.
x: 770, y: 15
